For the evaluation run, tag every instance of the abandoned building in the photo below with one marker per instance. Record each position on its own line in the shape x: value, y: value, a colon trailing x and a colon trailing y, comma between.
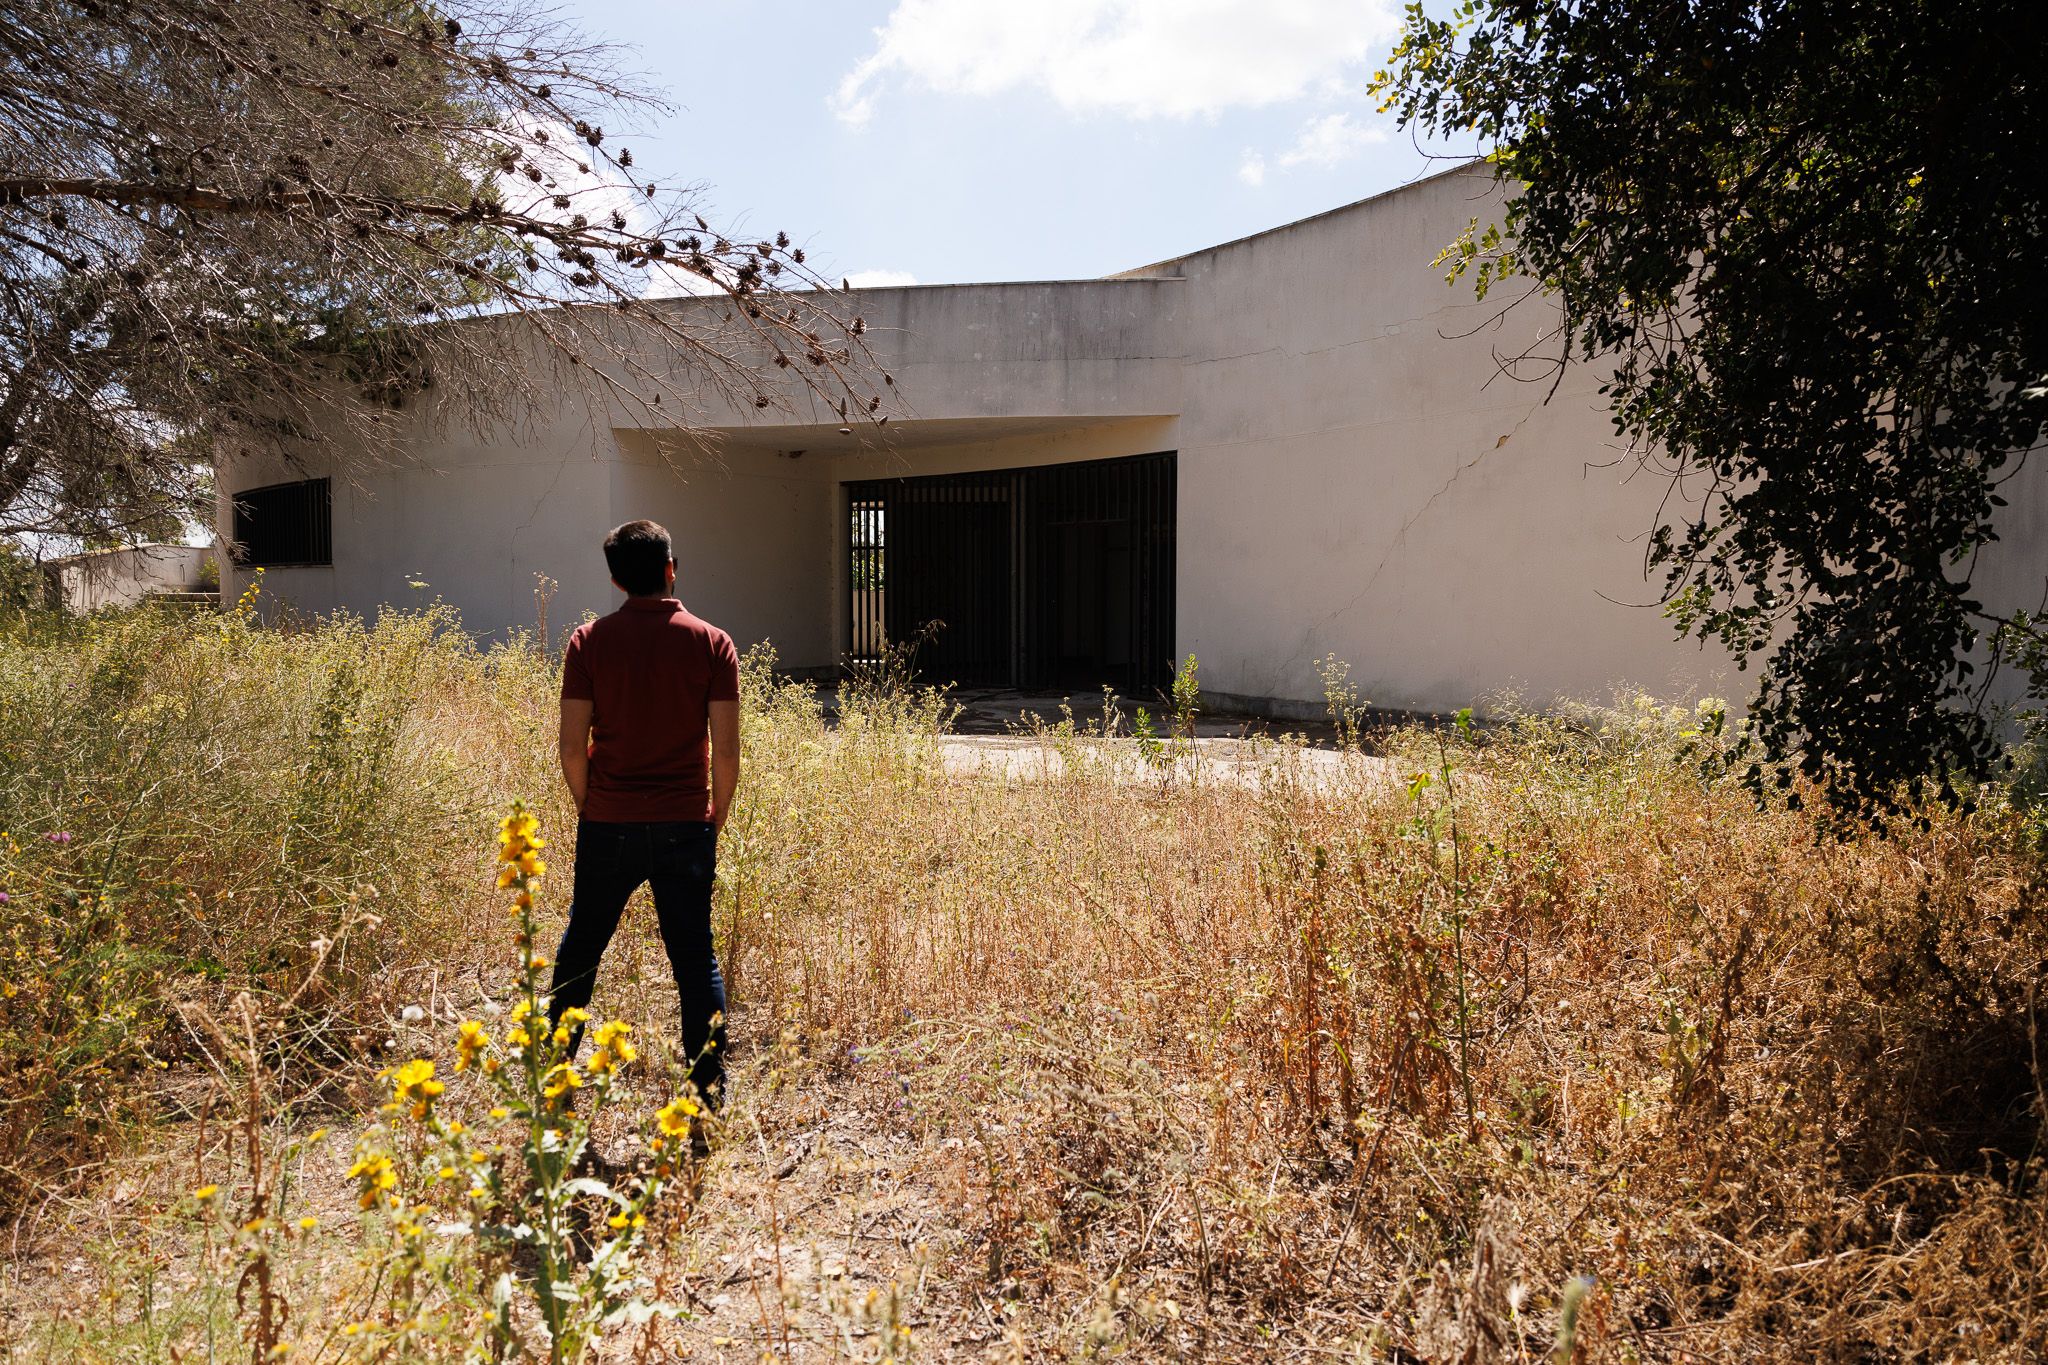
x: 1295, y: 445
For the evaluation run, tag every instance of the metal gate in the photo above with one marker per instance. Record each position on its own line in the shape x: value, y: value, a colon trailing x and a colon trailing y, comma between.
x: 1052, y: 576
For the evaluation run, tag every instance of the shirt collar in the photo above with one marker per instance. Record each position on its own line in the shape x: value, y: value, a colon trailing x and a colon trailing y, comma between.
x: 670, y: 605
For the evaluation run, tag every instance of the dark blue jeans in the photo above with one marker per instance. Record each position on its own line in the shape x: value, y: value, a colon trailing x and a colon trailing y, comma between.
x: 678, y: 859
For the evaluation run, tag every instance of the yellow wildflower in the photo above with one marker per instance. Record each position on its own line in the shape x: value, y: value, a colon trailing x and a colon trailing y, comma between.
x: 415, y: 1082
x: 674, y: 1117
x: 308, y: 1223
x: 613, y: 1051
x: 375, y: 1173
x: 470, y: 1041
x: 560, y: 1081
x: 205, y: 1192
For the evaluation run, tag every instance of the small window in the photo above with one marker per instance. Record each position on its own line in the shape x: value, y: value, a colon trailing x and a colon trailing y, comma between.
x: 286, y: 523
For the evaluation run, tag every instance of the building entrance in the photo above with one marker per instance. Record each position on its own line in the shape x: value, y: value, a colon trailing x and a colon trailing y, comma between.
x: 1051, y: 576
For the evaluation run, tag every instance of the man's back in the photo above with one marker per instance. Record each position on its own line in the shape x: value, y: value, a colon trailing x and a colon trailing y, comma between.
x: 650, y: 671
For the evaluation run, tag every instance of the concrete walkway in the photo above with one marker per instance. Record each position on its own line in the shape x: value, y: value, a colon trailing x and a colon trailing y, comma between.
x: 1017, y: 736
x: 1218, y: 761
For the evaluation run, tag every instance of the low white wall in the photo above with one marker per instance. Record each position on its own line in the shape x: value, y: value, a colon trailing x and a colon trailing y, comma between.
x: 122, y: 578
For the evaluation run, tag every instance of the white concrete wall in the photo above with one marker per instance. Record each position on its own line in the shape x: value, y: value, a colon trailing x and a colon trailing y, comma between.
x: 755, y: 533
x: 1069, y: 347
x: 2012, y: 573
x: 473, y: 518
x: 122, y: 578
x: 1357, y: 479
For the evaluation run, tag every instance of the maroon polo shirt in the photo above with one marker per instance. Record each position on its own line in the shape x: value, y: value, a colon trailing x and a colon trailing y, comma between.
x: 650, y: 671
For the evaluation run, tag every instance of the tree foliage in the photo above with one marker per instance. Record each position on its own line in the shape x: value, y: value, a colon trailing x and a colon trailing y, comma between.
x: 236, y: 223
x: 1806, y: 236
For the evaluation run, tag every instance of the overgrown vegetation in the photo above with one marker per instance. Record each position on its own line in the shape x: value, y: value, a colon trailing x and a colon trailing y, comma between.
x: 1480, y: 1046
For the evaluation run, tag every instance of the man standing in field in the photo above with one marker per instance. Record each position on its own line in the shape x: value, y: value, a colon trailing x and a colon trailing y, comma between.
x: 643, y: 689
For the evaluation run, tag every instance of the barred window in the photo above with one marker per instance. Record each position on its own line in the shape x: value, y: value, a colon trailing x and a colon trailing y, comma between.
x: 285, y: 523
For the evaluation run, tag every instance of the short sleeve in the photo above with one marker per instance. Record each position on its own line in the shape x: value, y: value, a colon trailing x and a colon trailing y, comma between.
x: 725, y: 670
x: 576, y: 670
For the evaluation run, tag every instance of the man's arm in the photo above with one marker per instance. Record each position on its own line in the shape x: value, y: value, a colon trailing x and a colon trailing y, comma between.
x: 576, y: 715
x: 725, y: 758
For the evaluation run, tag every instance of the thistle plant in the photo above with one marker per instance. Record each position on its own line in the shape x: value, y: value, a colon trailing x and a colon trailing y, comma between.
x: 482, y: 1215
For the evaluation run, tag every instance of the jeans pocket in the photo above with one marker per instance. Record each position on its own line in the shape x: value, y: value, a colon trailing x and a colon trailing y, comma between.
x: 686, y: 848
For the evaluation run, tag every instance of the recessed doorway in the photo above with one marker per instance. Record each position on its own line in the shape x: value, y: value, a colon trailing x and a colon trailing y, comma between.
x: 1050, y: 576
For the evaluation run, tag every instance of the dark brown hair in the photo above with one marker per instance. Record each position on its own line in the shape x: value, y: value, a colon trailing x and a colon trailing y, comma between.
x: 637, y: 553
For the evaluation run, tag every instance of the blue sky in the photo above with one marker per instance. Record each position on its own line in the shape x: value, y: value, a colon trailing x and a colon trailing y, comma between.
x: 945, y: 140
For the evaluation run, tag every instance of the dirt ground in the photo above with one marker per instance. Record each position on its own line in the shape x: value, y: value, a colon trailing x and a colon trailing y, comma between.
x: 826, y: 1217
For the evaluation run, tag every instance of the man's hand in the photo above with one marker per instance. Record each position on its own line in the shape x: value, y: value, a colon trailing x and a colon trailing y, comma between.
x: 725, y: 758
x: 575, y: 743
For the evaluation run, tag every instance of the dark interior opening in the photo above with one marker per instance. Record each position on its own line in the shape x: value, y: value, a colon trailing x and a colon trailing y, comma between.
x: 285, y: 523
x: 1053, y: 576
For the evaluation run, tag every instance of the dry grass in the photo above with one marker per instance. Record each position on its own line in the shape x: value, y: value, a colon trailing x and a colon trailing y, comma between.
x: 1337, y: 1063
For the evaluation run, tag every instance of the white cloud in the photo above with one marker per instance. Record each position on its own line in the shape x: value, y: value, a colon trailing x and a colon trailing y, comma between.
x: 1331, y: 139
x: 597, y: 189
x: 1327, y: 140
x: 594, y: 187
x: 880, y: 279
x: 1142, y: 58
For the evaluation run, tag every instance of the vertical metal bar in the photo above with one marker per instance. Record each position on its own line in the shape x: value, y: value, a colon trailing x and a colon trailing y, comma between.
x: 1155, y: 646
x: 1155, y: 489
x: 946, y: 576
x: 850, y: 526
x: 849, y: 522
